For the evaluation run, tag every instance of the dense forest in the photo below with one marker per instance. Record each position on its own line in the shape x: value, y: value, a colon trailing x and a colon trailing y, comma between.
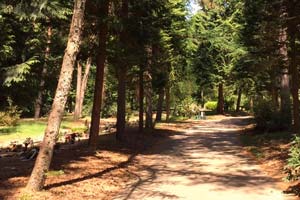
x: 157, y: 60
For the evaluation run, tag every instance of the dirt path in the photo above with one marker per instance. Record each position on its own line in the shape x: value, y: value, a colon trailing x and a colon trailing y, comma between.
x: 203, y: 162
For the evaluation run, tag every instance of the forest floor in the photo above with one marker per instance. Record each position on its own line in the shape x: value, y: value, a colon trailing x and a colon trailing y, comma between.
x: 184, y: 160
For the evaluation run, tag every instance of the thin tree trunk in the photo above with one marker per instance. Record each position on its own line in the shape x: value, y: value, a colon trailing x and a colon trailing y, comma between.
x: 121, y: 110
x: 98, y: 90
x: 275, y: 97
x: 122, y: 72
x: 167, y: 102
x: 39, y: 99
x: 295, y: 79
x: 238, y: 102
x: 78, y: 90
x: 148, y: 90
x: 160, y: 104
x: 44, y: 158
x: 141, y: 99
x: 84, y: 84
x: 220, y: 107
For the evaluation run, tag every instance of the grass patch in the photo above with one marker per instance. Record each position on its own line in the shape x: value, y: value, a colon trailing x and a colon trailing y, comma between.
x: 21, y: 131
x: 55, y: 173
x: 34, y: 129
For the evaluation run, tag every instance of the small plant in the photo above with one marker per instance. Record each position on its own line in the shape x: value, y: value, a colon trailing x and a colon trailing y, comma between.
x: 292, y: 169
x: 10, y: 116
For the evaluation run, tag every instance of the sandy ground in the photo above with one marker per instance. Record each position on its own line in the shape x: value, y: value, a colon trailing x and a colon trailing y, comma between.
x: 206, y: 162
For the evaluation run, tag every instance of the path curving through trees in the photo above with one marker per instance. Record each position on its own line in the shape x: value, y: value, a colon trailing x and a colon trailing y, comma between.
x: 206, y: 161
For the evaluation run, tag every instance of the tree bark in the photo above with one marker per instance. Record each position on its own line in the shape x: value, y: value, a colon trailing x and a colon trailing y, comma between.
x: 148, y: 90
x: 160, y: 104
x: 98, y: 90
x: 168, y: 102
x: 141, y: 99
x: 285, y: 106
x: 84, y: 83
x: 238, y: 102
x: 220, y: 106
x: 294, y: 70
x: 44, y: 158
x: 78, y: 90
x: 122, y: 72
x: 39, y: 99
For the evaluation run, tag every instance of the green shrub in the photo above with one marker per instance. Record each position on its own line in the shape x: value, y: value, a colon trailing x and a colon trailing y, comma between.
x: 10, y: 116
x: 187, y: 108
x: 292, y: 169
x: 211, y: 105
x: 267, y: 117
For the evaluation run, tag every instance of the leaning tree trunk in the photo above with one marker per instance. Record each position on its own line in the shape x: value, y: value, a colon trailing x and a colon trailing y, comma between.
x: 98, y: 90
x: 39, y: 99
x: 238, y: 102
x: 78, y: 90
x: 121, y: 73
x: 295, y: 76
x: 44, y: 158
x: 141, y: 99
x: 220, y: 106
x: 160, y: 104
x: 148, y: 90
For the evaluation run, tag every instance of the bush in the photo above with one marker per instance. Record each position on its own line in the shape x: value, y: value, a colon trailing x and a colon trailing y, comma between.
x: 187, y: 108
x: 211, y: 105
x: 267, y: 117
x: 10, y: 116
x: 292, y: 169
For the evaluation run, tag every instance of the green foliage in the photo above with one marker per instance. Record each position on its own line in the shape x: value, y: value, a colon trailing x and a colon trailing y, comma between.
x: 292, y: 168
x: 211, y: 105
x: 267, y: 116
x: 187, y: 108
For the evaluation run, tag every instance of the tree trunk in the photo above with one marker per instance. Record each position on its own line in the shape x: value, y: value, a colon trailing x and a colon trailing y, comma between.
x: 121, y: 110
x: 44, y: 158
x: 167, y: 102
x: 39, y: 99
x: 148, y: 90
x: 238, y: 102
x: 295, y: 74
x: 160, y: 104
x: 220, y: 107
x: 275, y: 97
x: 84, y: 83
x: 98, y: 90
x: 141, y: 99
x: 285, y: 107
x: 78, y: 90
x: 122, y: 72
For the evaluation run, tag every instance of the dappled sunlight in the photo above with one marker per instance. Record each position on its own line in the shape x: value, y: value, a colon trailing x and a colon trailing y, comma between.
x: 204, y: 162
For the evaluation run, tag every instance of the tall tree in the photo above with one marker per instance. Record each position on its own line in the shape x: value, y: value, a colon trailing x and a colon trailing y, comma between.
x: 99, y: 81
x: 121, y: 75
x: 44, y: 158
